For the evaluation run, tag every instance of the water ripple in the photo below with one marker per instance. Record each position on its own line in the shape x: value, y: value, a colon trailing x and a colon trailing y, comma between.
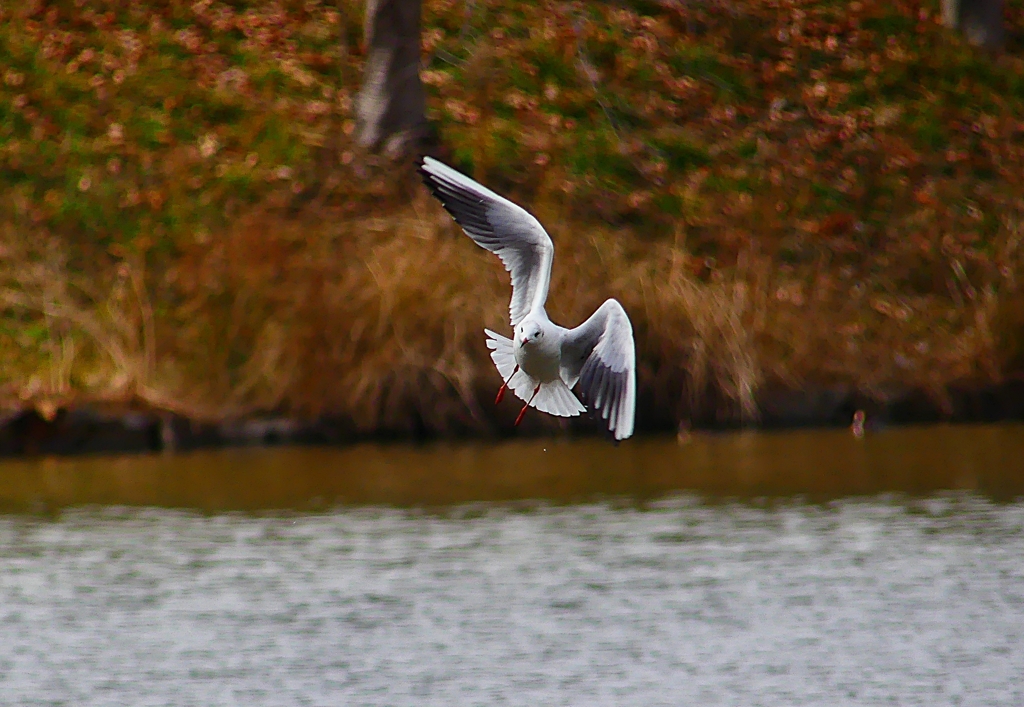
x: 855, y: 602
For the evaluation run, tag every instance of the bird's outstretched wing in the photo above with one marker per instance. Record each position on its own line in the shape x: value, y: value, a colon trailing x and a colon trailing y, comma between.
x: 600, y: 354
x: 500, y: 226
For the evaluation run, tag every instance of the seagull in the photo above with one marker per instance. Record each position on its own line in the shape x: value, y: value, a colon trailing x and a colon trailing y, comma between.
x: 543, y: 361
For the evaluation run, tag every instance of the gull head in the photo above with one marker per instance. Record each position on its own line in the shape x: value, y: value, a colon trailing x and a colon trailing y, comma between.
x: 529, y: 332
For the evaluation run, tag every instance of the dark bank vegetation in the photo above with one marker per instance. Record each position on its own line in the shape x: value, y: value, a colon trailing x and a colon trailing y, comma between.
x: 785, y: 195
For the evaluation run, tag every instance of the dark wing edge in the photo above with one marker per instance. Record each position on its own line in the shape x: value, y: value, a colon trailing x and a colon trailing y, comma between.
x: 500, y: 226
x: 607, y: 378
x: 469, y: 209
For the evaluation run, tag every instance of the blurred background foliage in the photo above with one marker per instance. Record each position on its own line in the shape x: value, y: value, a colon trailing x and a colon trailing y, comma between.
x: 785, y: 194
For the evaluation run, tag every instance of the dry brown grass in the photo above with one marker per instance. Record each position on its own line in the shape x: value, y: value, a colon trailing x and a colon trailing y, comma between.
x: 185, y: 223
x: 378, y: 320
x: 67, y: 336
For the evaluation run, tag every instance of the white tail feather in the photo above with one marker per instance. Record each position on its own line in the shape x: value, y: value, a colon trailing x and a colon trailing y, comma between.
x: 554, y: 397
x: 501, y: 353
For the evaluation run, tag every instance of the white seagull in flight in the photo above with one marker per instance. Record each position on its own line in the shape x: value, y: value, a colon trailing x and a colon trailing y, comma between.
x: 544, y: 361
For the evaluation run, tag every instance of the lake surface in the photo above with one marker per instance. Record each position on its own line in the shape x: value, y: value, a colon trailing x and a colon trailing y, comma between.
x: 817, y: 465
x: 615, y: 586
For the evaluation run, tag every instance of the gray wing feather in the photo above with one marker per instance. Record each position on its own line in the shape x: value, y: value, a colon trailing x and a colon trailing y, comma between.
x: 601, y: 356
x: 500, y: 226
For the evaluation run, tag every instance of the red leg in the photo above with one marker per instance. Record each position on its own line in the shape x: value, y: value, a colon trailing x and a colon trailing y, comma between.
x: 523, y: 411
x: 504, y: 386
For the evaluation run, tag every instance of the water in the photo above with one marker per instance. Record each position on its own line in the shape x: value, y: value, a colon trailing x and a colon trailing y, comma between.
x: 677, y: 599
x: 815, y: 464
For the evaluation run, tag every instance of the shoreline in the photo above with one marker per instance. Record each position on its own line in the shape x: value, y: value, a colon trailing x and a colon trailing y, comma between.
x: 105, y: 429
x: 806, y: 212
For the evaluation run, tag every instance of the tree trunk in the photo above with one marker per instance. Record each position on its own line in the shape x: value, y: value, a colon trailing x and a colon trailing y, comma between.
x: 390, y: 107
x: 980, y: 20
